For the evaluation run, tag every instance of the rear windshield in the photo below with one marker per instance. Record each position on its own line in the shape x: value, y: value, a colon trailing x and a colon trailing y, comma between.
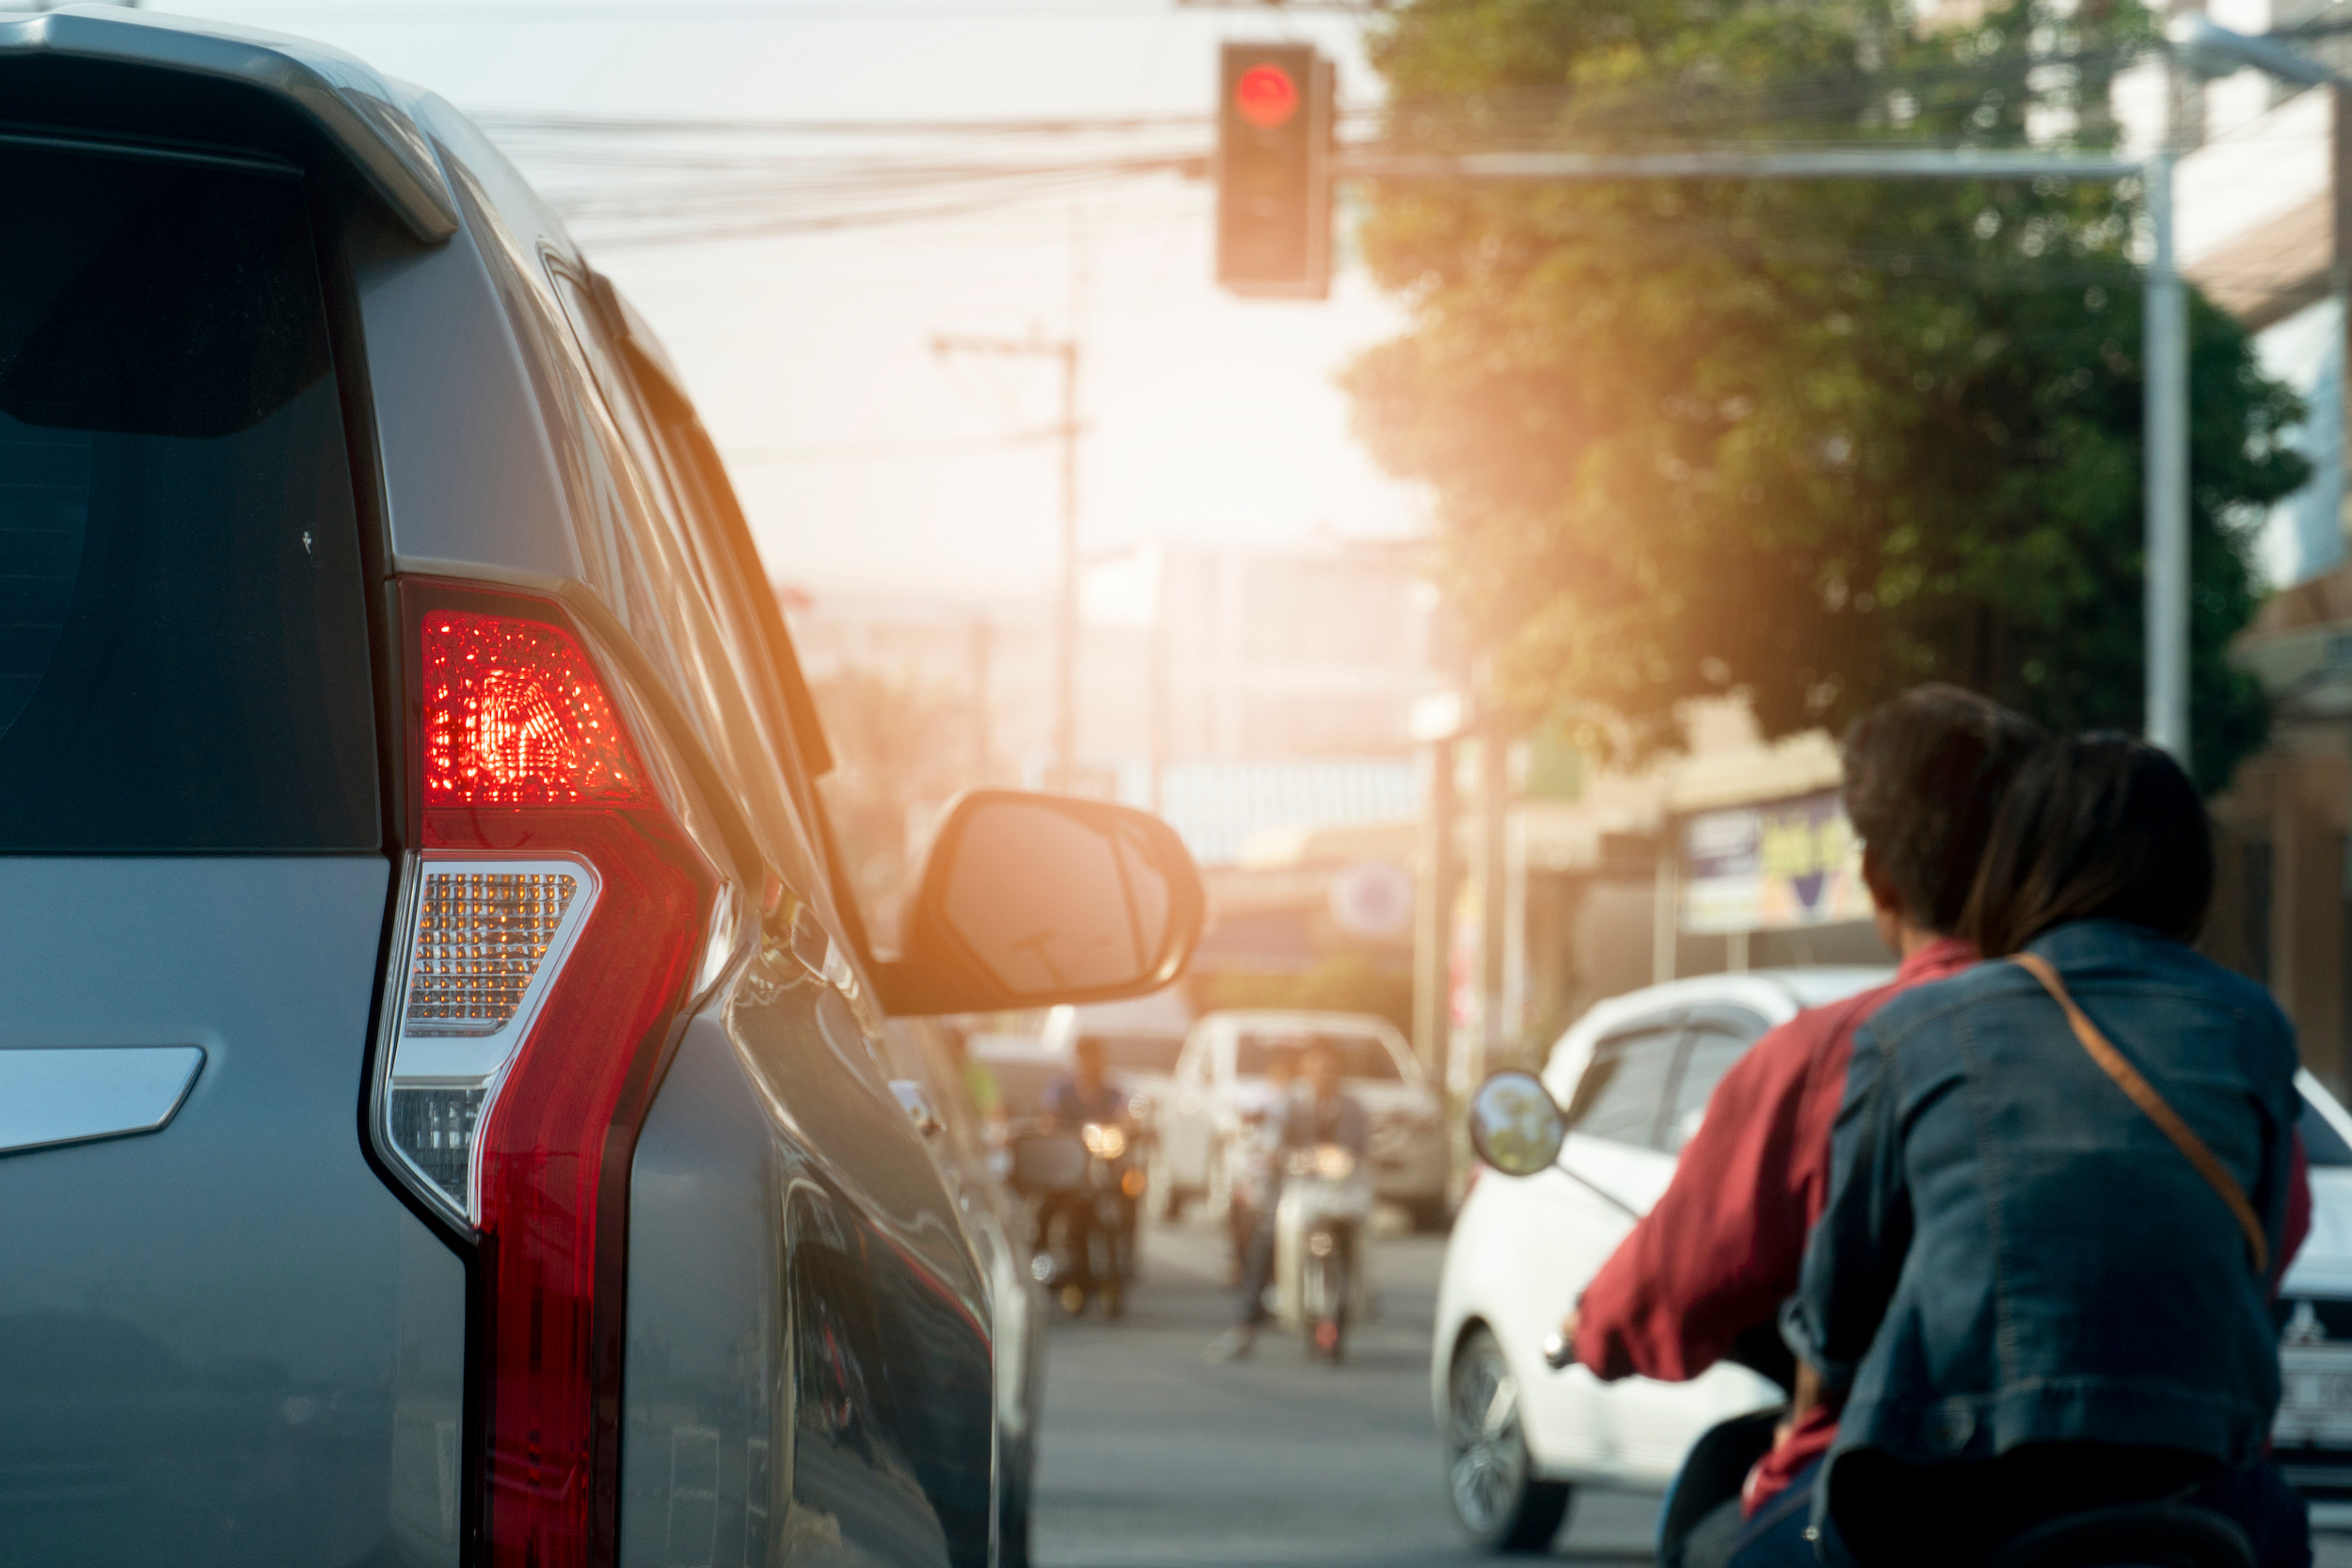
x: 183, y: 655
x: 1360, y: 1056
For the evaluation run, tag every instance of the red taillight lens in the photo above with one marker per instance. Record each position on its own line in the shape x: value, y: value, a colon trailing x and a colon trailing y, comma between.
x: 554, y: 938
x: 515, y: 716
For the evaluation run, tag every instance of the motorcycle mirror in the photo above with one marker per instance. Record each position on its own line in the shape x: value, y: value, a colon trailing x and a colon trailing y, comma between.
x: 1514, y: 1124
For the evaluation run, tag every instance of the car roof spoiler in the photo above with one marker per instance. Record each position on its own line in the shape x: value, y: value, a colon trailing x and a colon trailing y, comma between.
x: 342, y: 100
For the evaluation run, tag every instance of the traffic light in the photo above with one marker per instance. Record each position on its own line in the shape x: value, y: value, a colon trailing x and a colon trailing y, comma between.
x: 1274, y: 171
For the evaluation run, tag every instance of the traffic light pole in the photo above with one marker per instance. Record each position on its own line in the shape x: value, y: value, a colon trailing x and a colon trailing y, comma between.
x: 1066, y: 616
x: 2164, y: 355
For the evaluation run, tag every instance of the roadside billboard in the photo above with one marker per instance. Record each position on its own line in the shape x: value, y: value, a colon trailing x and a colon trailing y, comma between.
x: 1771, y: 865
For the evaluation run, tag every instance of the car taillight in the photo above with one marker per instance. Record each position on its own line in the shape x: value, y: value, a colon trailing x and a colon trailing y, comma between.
x: 555, y: 915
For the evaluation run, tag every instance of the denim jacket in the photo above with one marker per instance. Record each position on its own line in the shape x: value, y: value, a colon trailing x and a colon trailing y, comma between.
x: 2012, y: 1252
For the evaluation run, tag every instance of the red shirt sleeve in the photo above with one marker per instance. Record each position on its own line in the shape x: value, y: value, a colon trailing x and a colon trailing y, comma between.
x: 2298, y: 1228
x: 1721, y: 1249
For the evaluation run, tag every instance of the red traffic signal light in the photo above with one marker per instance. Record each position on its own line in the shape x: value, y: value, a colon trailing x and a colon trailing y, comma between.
x: 1266, y: 96
x: 1274, y: 171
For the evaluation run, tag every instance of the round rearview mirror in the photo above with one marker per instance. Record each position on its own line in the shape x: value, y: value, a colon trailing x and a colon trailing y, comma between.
x: 1514, y: 1124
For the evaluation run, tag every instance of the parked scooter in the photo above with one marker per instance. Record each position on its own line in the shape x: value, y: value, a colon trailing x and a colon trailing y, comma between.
x: 1081, y: 1188
x: 1321, y: 1247
x: 1518, y: 1129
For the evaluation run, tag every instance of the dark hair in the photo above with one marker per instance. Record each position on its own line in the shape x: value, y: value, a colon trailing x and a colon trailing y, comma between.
x: 1923, y: 775
x: 2100, y: 827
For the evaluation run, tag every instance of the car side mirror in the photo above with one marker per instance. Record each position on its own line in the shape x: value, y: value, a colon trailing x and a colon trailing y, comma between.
x: 1035, y: 900
x: 1515, y: 1125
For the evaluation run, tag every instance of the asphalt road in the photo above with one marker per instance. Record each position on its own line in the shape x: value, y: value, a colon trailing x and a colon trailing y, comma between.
x: 1153, y: 1458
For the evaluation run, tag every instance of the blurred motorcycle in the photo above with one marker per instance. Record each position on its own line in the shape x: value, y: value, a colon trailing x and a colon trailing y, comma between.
x: 1081, y: 1189
x: 1322, y: 1247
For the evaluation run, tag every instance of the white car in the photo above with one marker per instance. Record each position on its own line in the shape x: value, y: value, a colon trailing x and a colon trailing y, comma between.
x: 1635, y: 1074
x: 1223, y: 1067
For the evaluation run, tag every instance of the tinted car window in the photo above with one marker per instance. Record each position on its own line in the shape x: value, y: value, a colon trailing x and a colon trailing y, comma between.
x: 1360, y: 1056
x: 1707, y: 1055
x: 184, y: 652
x: 1363, y: 1056
x: 2323, y: 1146
x: 1624, y: 1089
x: 1253, y: 1053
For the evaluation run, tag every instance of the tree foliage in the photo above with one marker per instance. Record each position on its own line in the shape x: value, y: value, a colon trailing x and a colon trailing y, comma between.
x: 1811, y: 440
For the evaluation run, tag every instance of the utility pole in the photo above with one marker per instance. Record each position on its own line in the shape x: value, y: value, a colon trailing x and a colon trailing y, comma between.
x: 2164, y: 451
x: 1497, y: 1036
x: 1065, y: 772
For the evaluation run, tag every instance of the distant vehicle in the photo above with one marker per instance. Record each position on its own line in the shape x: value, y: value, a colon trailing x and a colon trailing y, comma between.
x: 1140, y: 1039
x: 1199, y: 1148
x: 447, y: 1108
x: 1633, y: 1075
x: 1080, y: 1186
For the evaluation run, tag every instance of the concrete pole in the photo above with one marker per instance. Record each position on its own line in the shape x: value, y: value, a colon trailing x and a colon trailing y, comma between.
x: 2165, y: 378
x: 1662, y: 914
x: 1433, y: 913
x: 1494, y: 903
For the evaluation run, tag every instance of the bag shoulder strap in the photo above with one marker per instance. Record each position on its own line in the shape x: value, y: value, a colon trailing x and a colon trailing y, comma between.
x: 2143, y: 1094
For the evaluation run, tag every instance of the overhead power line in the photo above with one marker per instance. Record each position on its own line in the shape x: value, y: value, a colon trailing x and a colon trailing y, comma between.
x: 621, y: 13
x: 856, y: 451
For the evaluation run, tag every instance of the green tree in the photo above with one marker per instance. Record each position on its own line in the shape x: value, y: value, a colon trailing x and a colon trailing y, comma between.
x: 1810, y: 440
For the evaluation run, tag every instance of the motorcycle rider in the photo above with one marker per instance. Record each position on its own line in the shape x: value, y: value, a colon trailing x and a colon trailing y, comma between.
x: 1258, y: 1164
x: 1084, y: 1094
x: 1327, y: 1114
x: 2037, y: 1290
x: 1711, y: 1265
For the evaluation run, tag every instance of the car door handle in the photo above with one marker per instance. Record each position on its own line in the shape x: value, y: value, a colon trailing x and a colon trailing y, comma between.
x: 75, y: 1094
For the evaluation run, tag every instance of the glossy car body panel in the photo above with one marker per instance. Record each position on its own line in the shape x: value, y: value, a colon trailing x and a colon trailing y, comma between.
x: 748, y: 1246
x: 226, y: 1342
x: 468, y: 478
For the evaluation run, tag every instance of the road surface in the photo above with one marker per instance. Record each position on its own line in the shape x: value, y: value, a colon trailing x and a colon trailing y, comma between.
x: 1153, y: 1458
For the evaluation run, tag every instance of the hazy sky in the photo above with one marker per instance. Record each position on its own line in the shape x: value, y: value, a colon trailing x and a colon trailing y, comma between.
x: 1211, y: 418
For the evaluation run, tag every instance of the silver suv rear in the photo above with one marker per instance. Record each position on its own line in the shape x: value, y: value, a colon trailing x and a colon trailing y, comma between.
x: 442, y: 1111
